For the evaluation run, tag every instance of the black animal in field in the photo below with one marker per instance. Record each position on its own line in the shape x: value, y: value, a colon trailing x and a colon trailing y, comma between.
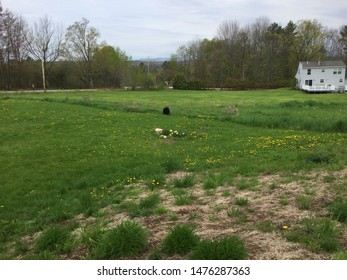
x: 166, y: 111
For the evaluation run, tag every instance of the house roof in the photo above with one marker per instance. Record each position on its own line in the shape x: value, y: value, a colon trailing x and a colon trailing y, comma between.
x: 318, y: 64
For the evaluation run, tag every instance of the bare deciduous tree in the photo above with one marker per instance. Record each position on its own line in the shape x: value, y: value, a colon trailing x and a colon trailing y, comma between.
x: 44, y: 43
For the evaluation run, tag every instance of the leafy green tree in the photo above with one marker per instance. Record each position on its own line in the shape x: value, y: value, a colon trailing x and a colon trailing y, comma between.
x: 309, y: 40
x: 180, y: 82
x: 110, y: 66
x: 81, y: 44
x: 343, y: 41
x: 13, y: 49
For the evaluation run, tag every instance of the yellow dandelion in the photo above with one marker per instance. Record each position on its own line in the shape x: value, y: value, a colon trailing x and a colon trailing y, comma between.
x: 285, y: 227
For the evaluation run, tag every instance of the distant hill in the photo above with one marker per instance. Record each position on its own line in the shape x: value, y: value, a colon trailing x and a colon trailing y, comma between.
x: 153, y: 62
x: 156, y: 59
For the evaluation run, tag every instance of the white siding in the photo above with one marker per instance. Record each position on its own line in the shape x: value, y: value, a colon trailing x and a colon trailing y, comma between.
x: 320, y: 76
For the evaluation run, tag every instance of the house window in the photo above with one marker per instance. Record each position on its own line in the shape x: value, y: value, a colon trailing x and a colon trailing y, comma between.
x: 322, y: 81
x: 341, y: 80
x: 323, y: 70
x: 308, y: 71
x: 335, y: 71
x: 339, y: 71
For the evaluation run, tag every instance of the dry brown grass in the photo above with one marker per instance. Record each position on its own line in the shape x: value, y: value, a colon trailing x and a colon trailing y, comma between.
x: 211, y: 213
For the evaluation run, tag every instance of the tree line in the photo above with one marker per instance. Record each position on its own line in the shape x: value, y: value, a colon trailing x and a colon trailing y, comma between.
x: 263, y: 54
x: 259, y: 55
x: 45, y: 55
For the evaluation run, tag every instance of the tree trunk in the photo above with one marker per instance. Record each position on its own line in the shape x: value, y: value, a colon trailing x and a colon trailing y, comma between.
x: 43, y: 76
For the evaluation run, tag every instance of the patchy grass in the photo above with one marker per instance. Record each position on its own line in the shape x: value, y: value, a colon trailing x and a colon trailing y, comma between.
x: 318, y: 234
x: 80, y: 161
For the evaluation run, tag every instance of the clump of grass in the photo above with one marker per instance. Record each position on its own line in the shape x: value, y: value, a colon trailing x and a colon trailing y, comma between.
x: 237, y: 214
x: 318, y: 234
x: 54, y: 239
x: 338, y: 209
x: 56, y: 213
x: 144, y: 208
x: 213, y: 181
x: 226, y: 193
x: 156, y: 182
x: 246, y: 183
x: 149, y: 202
x: 310, y: 191
x: 265, y: 226
x: 156, y: 254
x: 303, y: 202
x: 230, y: 248
x: 284, y: 200
x: 341, y: 256
x: 180, y: 240
x: 87, y: 204
x: 174, y: 218
x: 210, y: 184
x: 92, y: 236
x: 329, y: 179
x: 20, y: 247
x: 160, y: 211
x: 183, y: 199
x: 172, y: 164
x: 128, y: 239
x: 241, y: 201
x: 319, y: 158
x: 185, y: 182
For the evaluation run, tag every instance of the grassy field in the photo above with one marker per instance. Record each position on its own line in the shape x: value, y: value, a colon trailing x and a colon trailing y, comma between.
x: 264, y: 171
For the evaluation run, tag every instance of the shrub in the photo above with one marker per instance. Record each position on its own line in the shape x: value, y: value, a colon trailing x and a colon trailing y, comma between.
x: 230, y: 248
x: 180, y: 240
x: 128, y: 239
x: 338, y: 209
x: 54, y: 239
x: 319, y: 234
x: 180, y: 82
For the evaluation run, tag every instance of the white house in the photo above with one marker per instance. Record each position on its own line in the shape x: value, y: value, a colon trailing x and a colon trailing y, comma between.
x: 321, y: 76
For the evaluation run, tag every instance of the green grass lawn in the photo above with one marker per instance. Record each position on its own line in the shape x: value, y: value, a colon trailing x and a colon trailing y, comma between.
x: 63, y: 154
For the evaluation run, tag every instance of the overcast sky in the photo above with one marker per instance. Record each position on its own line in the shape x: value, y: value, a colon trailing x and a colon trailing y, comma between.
x: 156, y: 28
